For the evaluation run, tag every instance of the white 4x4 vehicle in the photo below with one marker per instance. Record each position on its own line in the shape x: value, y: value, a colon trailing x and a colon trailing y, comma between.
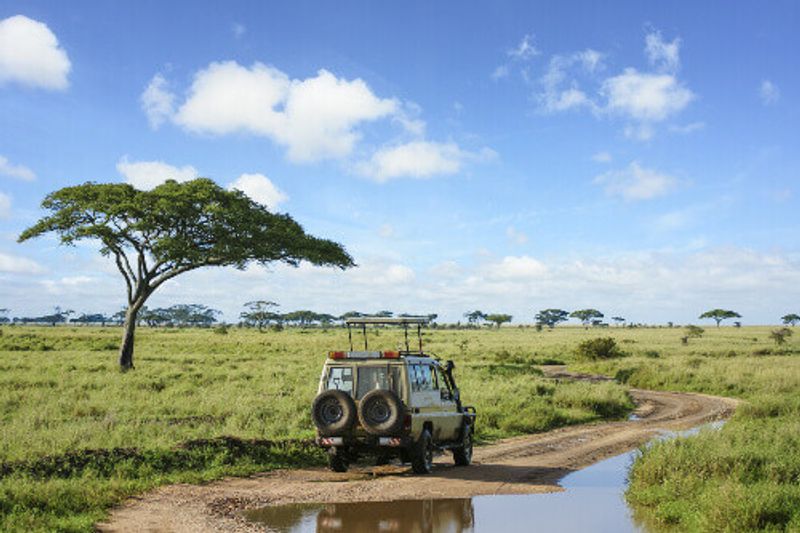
x: 391, y: 403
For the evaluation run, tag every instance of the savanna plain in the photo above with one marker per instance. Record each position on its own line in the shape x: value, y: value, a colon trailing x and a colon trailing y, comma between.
x: 79, y: 437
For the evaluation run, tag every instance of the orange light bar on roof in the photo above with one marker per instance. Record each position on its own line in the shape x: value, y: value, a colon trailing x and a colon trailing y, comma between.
x: 337, y: 355
x: 391, y: 355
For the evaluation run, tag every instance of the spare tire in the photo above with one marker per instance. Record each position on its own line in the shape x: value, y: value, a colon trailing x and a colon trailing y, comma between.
x: 334, y: 412
x: 381, y: 412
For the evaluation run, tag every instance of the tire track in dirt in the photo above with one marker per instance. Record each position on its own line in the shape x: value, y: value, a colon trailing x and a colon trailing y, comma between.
x: 519, y: 465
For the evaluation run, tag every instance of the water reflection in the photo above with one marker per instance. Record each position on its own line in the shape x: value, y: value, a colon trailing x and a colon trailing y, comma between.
x: 413, y: 516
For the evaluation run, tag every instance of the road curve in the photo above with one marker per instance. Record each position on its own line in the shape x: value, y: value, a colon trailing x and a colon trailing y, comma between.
x: 528, y: 464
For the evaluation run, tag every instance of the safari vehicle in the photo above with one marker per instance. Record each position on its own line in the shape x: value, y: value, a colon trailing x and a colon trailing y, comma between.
x: 391, y: 403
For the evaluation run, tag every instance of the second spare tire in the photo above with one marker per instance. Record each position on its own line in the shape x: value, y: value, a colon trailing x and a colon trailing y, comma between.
x: 334, y: 412
x: 381, y: 412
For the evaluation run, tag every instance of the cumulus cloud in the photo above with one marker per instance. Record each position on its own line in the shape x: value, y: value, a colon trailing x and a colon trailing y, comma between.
x: 661, y: 54
x: 560, y: 82
x: 314, y: 118
x: 20, y: 172
x: 30, y: 55
x: 418, y: 159
x: 261, y: 189
x: 157, y: 101
x: 145, y: 175
x: 645, y: 97
x: 19, y: 265
x: 769, y: 92
x: 500, y: 72
x: 688, y: 128
x: 5, y: 205
x: 636, y: 183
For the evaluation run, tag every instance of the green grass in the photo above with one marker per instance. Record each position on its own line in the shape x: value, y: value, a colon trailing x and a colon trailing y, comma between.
x: 78, y: 436
x: 744, y: 477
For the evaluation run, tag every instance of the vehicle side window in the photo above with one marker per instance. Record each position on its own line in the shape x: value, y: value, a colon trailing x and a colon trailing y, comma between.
x: 340, y: 378
x: 415, y: 376
x: 435, y: 378
x: 443, y: 384
x: 426, y: 382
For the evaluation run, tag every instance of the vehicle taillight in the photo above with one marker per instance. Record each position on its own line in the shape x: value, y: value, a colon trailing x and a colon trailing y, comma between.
x: 391, y: 355
x: 337, y: 355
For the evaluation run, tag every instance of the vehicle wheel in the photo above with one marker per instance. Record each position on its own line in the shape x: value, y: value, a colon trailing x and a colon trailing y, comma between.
x: 334, y: 412
x: 381, y: 412
x: 463, y: 454
x: 338, y: 460
x: 422, y: 454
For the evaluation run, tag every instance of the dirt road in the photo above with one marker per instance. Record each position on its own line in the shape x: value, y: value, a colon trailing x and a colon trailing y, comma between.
x: 528, y: 464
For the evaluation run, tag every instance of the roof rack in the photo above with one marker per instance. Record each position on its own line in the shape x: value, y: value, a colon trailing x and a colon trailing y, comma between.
x: 404, y: 321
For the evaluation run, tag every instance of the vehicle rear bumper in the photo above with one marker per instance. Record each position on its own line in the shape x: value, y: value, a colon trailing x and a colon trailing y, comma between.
x: 370, y: 441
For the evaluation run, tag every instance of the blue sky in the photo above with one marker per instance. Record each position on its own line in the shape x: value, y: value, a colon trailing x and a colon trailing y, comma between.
x: 637, y: 157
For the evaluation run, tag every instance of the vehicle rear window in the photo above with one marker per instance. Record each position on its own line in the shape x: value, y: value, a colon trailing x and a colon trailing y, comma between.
x: 340, y: 378
x: 379, y: 377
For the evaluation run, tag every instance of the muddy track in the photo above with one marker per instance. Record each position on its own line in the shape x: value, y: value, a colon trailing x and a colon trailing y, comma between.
x: 529, y: 464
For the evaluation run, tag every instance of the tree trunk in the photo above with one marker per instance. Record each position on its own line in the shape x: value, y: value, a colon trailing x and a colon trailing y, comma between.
x: 126, y: 348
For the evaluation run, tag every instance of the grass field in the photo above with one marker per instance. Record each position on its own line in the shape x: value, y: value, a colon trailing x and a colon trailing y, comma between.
x: 78, y: 436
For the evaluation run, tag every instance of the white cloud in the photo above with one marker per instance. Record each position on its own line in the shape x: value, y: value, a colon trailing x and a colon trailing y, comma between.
x: 645, y: 97
x: 687, y: 128
x: 145, y: 175
x: 500, y: 72
x: 560, y: 84
x: 524, y: 50
x: 5, y: 205
x: 18, y: 265
x: 418, y: 159
x: 769, y: 92
x: 30, y: 54
x: 662, y: 55
x: 15, y: 171
x: 261, y: 189
x: 602, y: 157
x: 516, y: 236
x: 157, y: 101
x: 315, y: 118
x: 238, y: 30
x: 636, y: 183
x: 515, y: 268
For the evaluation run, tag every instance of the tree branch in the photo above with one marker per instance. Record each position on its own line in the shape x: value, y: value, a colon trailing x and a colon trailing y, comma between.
x: 128, y: 281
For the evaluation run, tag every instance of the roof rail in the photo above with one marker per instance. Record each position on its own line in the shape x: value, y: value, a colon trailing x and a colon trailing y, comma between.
x: 396, y: 321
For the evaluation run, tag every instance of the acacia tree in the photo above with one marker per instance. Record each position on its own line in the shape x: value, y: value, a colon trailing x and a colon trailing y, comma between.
x: 175, y: 228
x: 260, y: 313
x: 475, y: 317
x: 790, y: 320
x: 498, y: 319
x: 618, y: 319
x: 551, y: 317
x: 719, y: 315
x: 586, y: 315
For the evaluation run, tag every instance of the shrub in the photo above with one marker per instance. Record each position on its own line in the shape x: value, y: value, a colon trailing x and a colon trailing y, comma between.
x: 780, y: 335
x: 599, y: 348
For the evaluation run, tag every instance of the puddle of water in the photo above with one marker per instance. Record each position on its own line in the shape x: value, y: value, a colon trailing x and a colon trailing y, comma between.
x: 592, y: 501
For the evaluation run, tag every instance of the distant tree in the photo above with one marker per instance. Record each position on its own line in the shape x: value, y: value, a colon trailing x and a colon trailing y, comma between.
x: 174, y: 228
x: 96, y: 318
x: 3, y: 318
x: 791, y: 319
x: 498, y: 319
x: 351, y: 314
x: 586, y: 315
x: 259, y: 313
x: 719, y: 315
x: 475, y: 317
x: 551, y: 317
x: 694, y: 331
x: 780, y: 335
x: 618, y: 319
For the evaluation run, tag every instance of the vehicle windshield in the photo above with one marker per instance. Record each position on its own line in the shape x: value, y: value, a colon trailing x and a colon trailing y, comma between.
x: 387, y: 377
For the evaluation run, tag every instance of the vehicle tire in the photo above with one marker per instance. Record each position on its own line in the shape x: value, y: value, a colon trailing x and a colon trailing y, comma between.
x: 422, y: 454
x: 463, y: 454
x: 334, y: 413
x: 338, y: 461
x: 381, y: 412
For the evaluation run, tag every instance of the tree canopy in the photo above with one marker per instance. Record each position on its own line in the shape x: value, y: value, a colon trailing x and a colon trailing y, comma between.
x: 718, y: 315
x: 586, y: 316
x: 791, y: 319
x: 551, y: 317
x: 174, y: 228
x: 498, y: 319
